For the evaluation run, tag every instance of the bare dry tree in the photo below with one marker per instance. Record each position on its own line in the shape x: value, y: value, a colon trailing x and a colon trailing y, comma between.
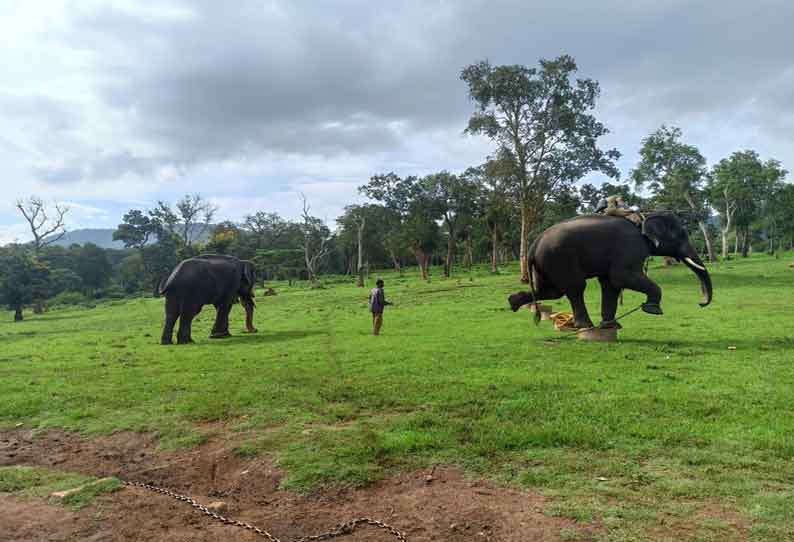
x: 46, y: 229
x: 315, y: 237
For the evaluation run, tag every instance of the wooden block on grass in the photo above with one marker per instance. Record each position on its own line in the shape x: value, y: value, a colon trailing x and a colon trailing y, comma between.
x: 60, y: 495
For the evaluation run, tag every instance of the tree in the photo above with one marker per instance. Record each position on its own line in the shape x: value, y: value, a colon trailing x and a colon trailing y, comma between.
x: 137, y: 229
x: 93, y: 267
x: 413, y: 210
x: 492, y: 203
x: 674, y: 172
x: 545, y: 134
x: 45, y: 229
x: 190, y: 221
x: 159, y: 260
x: 315, y: 237
x: 269, y: 228
x: 224, y: 237
x: 23, y: 279
x: 454, y: 198
x: 132, y: 273
x: 739, y: 187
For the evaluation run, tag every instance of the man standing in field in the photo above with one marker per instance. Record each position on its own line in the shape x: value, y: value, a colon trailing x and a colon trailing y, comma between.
x: 377, y: 302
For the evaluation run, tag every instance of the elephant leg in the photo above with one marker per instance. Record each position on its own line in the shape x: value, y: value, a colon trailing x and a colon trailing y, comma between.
x: 609, y: 303
x: 171, y: 315
x: 639, y: 282
x: 221, y: 327
x: 184, y: 335
x: 575, y: 295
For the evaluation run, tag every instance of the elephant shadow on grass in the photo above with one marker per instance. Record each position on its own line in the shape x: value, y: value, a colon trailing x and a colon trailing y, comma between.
x: 267, y: 336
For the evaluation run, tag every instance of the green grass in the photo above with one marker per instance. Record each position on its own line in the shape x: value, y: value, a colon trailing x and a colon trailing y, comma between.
x: 669, y: 416
x: 38, y: 482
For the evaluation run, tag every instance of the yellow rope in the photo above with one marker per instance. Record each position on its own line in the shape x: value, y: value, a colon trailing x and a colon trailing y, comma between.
x: 563, y: 320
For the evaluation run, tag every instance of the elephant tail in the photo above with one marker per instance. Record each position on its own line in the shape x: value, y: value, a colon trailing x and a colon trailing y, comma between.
x: 165, y: 284
x: 536, y: 317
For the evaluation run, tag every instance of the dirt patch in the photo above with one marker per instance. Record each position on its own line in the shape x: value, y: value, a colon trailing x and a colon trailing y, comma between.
x: 725, y: 520
x: 442, y: 505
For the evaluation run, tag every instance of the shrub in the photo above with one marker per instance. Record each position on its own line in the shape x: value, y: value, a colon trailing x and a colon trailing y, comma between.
x: 70, y: 298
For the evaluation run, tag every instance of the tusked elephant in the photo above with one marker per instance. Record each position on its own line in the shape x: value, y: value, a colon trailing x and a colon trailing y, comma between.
x: 613, y: 250
x: 207, y: 280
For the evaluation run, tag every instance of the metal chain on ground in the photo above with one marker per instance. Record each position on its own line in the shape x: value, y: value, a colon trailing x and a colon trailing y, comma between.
x: 340, y: 530
x: 577, y: 331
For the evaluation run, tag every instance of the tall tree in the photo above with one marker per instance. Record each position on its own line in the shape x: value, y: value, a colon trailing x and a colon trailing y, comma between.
x: 418, y: 213
x: 315, y: 240
x: 541, y: 121
x: 493, y: 205
x: 136, y: 229
x: 674, y: 172
x: 190, y: 221
x: 738, y: 187
x: 47, y: 227
x: 23, y: 279
x: 454, y: 197
x: 93, y: 267
x: 269, y: 229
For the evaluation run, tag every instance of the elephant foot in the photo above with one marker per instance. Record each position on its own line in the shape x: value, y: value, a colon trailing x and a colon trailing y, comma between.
x: 220, y: 335
x: 251, y: 330
x: 652, y: 308
x: 582, y: 325
x: 166, y: 341
x: 610, y: 324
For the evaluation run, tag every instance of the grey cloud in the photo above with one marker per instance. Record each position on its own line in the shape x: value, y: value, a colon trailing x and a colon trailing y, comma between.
x: 327, y: 78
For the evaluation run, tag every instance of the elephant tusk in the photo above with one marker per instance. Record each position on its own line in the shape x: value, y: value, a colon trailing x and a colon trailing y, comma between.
x: 693, y: 264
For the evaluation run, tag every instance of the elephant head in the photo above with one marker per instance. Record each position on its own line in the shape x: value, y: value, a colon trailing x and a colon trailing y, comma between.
x: 246, y: 292
x: 669, y: 238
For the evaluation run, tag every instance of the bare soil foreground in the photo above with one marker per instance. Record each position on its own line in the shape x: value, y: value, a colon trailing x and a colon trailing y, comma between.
x: 425, y: 505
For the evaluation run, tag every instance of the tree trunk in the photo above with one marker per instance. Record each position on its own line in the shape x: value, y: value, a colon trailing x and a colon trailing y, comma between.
x: 706, y: 237
x: 396, y: 261
x: 450, y: 256
x: 494, y: 251
x: 745, y: 243
x: 724, y: 244
x: 422, y: 260
x: 736, y: 242
x: 18, y: 313
x: 360, y: 261
x: 469, y: 254
x: 524, y: 254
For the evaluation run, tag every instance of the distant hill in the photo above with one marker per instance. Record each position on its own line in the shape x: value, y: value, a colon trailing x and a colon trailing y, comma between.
x: 103, y: 237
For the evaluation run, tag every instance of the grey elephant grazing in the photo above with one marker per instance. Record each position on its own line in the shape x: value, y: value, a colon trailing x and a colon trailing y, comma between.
x: 613, y: 250
x: 207, y: 280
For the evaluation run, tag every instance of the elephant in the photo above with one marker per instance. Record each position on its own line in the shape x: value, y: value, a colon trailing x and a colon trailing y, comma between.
x: 613, y: 250
x: 207, y: 280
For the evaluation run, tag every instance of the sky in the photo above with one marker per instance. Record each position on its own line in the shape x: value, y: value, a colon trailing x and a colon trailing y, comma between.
x: 113, y: 105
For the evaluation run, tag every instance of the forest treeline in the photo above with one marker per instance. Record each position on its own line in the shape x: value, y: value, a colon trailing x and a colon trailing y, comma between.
x: 546, y: 146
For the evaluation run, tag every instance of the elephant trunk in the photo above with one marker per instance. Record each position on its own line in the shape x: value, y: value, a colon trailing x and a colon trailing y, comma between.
x: 693, y: 262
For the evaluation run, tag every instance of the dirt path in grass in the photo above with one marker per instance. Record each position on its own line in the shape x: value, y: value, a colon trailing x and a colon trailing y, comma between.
x: 442, y: 505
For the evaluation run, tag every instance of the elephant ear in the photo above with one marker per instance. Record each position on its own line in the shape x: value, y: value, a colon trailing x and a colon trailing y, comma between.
x: 655, y: 229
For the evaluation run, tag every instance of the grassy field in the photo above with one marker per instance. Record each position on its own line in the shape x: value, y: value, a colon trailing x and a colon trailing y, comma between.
x: 629, y: 434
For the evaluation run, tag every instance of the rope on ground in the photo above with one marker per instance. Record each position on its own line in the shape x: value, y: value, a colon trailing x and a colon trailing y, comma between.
x: 340, y: 530
x: 563, y: 315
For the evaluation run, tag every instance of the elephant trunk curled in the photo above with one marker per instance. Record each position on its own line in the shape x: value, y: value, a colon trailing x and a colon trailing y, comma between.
x: 693, y: 262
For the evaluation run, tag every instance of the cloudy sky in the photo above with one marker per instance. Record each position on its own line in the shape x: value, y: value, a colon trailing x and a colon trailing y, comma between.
x: 114, y: 105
